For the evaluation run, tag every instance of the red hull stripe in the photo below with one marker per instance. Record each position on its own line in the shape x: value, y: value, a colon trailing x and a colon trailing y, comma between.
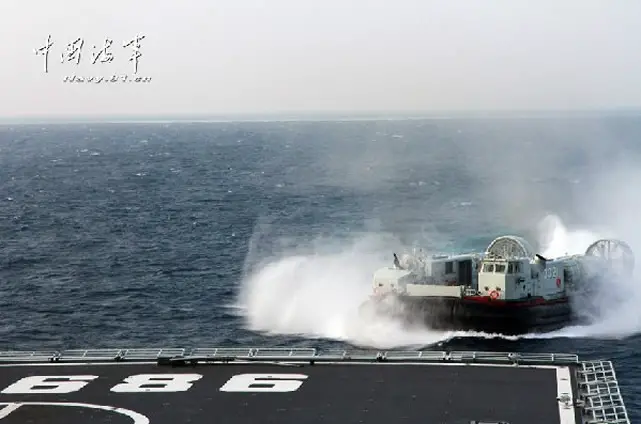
x: 534, y: 301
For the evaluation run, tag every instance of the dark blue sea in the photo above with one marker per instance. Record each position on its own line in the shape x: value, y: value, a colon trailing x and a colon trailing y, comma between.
x: 267, y: 233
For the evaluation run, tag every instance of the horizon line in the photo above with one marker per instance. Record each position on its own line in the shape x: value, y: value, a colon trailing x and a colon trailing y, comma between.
x: 309, y: 116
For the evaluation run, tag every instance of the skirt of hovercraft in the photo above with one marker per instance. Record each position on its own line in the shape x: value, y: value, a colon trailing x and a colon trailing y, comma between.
x: 479, y: 314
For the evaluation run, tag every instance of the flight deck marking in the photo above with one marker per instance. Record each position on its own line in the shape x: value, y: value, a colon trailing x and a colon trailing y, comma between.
x: 9, y: 408
x: 156, y: 383
x: 273, y: 383
x: 42, y: 384
x: 162, y: 383
x: 564, y: 396
x: 137, y: 417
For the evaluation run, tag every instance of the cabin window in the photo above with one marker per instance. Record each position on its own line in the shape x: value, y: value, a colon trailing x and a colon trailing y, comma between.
x: 514, y: 268
x: 500, y: 268
x: 488, y: 268
x: 449, y: 267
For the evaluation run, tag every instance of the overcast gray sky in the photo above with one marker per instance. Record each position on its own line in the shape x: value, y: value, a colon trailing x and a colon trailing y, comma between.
x: 269, y: 56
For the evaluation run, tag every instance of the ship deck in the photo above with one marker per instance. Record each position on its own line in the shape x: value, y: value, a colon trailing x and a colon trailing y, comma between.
x: 287, y: 386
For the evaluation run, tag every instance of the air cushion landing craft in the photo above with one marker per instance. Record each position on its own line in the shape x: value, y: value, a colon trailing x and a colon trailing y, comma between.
x: 508, y: 289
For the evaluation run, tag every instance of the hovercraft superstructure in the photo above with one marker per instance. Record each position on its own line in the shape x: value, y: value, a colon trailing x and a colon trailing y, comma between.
x: 508, y: 288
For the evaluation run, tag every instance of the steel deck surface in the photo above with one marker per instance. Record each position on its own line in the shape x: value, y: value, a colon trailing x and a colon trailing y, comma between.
x: 294, y: 388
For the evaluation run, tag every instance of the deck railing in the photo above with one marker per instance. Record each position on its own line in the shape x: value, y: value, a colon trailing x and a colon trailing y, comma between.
x: 284, y: 354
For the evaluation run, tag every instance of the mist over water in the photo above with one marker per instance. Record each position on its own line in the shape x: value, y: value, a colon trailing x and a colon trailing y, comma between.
x: 318, y: 293
x: 613, y: 202
x: 315, y: 288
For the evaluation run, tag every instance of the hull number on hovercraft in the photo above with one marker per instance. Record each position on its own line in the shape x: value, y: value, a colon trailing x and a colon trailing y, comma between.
x: 550, y: 273
x: 155, y: 383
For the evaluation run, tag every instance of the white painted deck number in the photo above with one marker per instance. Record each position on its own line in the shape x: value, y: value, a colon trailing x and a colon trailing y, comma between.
x: 271, y: 383
x: 156, y: 383
x: 54, y: 384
